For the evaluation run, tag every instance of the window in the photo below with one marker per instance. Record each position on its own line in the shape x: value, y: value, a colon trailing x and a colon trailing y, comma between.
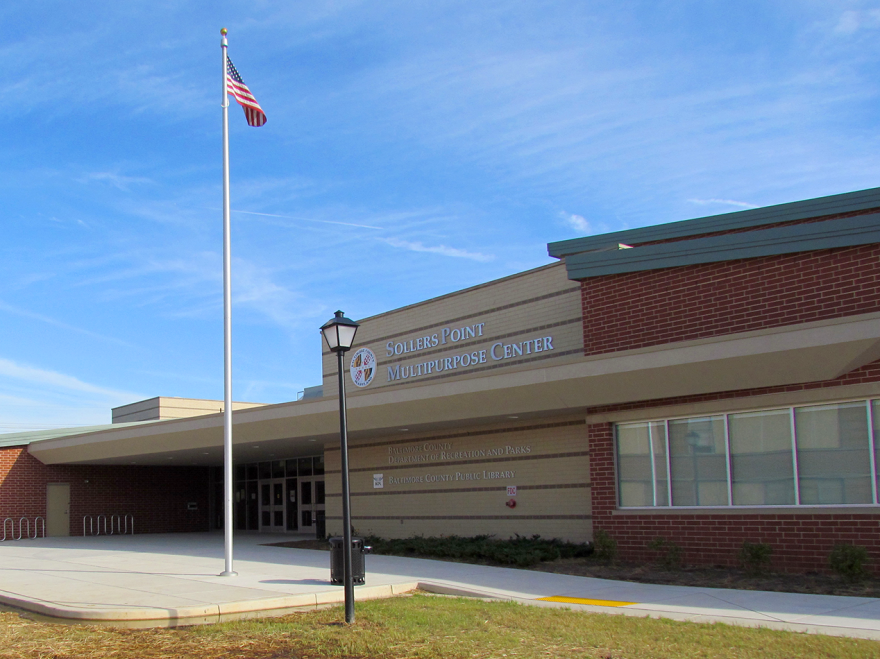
x: 761, y: 465
x: 812, y: 455
x: 698, y: 452
x: 832, y: 454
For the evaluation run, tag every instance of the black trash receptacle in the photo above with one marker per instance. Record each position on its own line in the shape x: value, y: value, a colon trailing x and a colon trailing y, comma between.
x: 337, y: 560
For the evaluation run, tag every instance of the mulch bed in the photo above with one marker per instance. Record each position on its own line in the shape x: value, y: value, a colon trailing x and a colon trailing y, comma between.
x: 703, y: 577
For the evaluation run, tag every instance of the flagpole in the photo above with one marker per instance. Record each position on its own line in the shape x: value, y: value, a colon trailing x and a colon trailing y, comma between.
x: 227, y: 335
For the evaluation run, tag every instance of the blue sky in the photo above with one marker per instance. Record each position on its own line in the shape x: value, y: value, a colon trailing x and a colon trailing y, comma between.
x: 412, y: 149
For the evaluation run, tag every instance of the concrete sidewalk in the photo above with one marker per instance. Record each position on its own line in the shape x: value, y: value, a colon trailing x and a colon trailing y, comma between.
x: 167, y: 580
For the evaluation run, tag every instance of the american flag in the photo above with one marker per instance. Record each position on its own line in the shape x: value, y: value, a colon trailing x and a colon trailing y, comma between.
x: 235, y: 86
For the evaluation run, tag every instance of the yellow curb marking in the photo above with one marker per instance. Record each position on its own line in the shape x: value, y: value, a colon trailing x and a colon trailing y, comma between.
x: 579, y: 600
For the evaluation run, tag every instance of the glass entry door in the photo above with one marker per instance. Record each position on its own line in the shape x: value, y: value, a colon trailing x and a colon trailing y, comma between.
x: 311, y: 503
x: 272, y: 505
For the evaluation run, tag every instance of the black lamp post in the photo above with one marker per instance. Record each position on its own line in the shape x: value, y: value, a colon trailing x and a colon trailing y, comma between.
x: 339, y: 334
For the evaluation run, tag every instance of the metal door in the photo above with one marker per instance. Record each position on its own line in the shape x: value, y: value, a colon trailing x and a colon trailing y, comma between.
x: 311, y: 502
x: 272, y: 505
x: 58, y: 509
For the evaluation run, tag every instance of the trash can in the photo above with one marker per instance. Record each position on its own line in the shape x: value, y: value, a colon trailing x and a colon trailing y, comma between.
x: 337, y: 560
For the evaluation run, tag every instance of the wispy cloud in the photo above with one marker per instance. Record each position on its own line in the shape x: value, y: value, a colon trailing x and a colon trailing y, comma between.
x: 576, y: 222
x: 34, y: 375
x: 308, y: 219
x: 726, y: 202
x: 117, y: 180
x: 24, y: 313
x: 443, y: 250
x: 853, y: 20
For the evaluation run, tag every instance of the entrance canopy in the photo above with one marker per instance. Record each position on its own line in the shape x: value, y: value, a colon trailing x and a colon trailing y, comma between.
x: 803, y: 353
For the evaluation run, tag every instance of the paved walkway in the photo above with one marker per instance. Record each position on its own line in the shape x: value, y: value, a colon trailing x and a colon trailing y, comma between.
x: 164, y: 580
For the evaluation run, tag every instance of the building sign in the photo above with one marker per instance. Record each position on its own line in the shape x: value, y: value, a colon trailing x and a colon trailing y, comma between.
x: 444, y: 336
x: 498, y: 351
x: 442, y: 452
x: 449, y: 477
x: 363, y: 367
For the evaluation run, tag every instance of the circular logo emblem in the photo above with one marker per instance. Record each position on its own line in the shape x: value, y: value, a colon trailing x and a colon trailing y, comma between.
x: 363, y: 367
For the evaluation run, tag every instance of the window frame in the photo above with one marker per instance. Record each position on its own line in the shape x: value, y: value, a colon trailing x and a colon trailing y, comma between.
x: 875, y: 476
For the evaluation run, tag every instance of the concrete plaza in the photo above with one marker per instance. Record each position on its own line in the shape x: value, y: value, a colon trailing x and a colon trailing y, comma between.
x: 166, y: 580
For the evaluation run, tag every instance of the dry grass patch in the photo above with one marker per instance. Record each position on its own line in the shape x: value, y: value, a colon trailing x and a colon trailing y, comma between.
x: 426, y: 627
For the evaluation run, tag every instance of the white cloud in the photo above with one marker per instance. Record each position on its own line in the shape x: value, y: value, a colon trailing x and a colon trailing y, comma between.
x: 443, y: 250
x: 853, y: 20
x: 115, y: 179
x: 24, y: 313
x: 728, y: 202
x: 309, y: 219
x: 576, y: 222
x: 32, y: 398
x: 55, y: 380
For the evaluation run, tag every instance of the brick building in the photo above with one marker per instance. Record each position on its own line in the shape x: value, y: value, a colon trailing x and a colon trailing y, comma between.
x: 710, y: 381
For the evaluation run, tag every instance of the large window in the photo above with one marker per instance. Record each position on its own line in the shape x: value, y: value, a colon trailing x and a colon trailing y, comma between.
x: 816, y: 455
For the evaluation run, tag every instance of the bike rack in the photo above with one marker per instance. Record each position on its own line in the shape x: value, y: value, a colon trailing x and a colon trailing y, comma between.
x: 23, y: 523
x: 111, y: 525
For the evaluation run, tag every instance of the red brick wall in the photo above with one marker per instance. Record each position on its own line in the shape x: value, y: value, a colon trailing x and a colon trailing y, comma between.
x: 801, y: 541
x: 640, y: 309
x: 156, y: 496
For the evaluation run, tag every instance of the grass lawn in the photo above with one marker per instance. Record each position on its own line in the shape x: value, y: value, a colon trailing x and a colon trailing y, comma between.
x: 423, y: 626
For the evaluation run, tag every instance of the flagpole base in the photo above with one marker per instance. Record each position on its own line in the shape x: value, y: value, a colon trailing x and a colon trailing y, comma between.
x: 228, y: 573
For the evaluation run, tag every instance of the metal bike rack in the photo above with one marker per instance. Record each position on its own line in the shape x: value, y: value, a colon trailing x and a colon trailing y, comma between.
x: 23, y: 523
x: 106, y: 525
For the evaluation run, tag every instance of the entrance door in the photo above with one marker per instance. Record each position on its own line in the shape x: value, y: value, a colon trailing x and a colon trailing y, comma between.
x: 58, y: 509
x: 311, y: 503
x: 272, y: 505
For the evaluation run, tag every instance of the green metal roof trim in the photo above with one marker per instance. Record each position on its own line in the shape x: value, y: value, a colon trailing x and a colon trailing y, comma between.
x: 25, y: 438
x: 798, y: 210
x: 845, y: 232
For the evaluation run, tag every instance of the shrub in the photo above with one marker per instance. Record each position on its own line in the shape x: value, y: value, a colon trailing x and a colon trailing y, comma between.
x: 849, y: 561
x: 605, y: 546
x: 670, y: 553
x: 520, y: 550
x: 755, y: 557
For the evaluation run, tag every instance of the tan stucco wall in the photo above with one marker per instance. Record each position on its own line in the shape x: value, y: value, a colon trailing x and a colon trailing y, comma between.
x: 536, y: 304
x: 546, y: 459
x: 165, y: 407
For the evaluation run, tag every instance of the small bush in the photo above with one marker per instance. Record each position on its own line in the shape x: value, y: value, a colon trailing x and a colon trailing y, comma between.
x: 520, y: 551
x: 670, y: 553
x: 605, y: 546
x: 849, y: 561
x: 755, y: 557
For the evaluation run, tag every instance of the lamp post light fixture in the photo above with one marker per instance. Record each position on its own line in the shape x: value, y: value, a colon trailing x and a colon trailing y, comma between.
x: 339, y: 334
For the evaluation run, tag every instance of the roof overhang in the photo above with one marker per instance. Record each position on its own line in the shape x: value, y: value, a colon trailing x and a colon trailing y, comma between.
x: 803, y: 353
